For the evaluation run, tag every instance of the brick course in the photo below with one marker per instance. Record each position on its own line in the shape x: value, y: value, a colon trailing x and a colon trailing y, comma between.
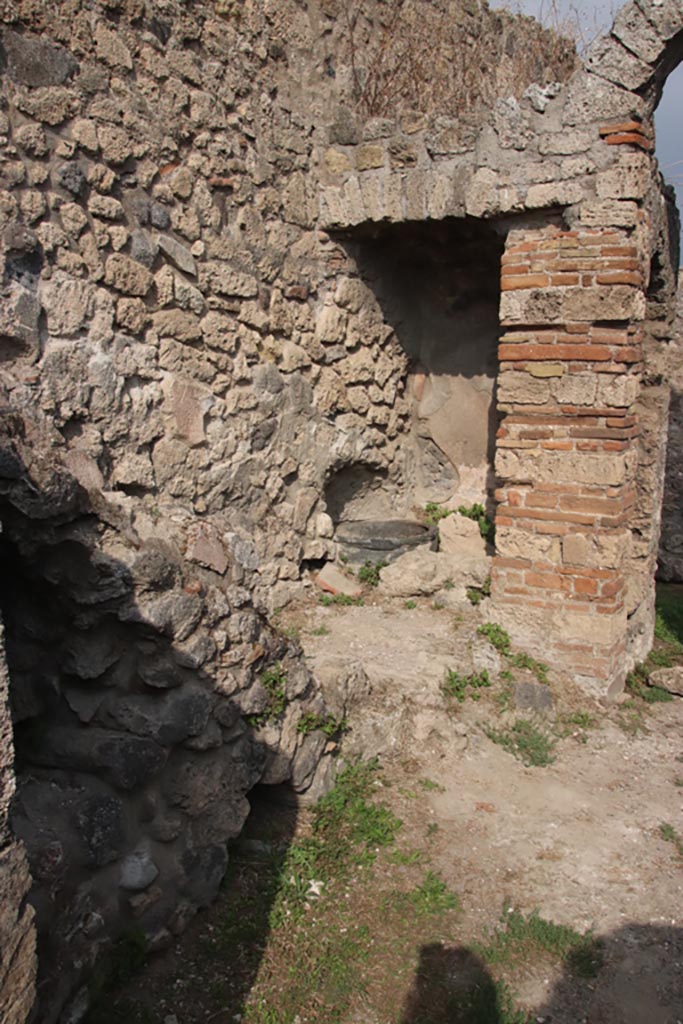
x: 542, y: 363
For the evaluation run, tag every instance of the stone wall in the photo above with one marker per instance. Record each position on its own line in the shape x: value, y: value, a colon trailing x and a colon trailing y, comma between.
x: 568, y: 180
x: 143, y: 688
x: 670, y: 564
x: 17, y: 934
x: 248, y: 291
x: 187, y: 365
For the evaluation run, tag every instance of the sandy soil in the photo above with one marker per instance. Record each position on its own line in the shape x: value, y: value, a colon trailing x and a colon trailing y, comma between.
x: 577, y: 840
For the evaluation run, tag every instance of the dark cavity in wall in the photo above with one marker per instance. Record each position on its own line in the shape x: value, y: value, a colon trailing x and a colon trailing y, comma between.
x: 110, y: 724
x: 356, y: 492
x: 438, y: 284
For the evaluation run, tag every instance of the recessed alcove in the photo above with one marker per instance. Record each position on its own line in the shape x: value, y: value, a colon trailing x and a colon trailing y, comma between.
x: 438, y: 286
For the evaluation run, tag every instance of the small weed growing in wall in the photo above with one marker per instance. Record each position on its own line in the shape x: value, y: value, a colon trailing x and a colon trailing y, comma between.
x: 410, y: 605
x: 525, y: 741
x: 342, y: 599
x: 433, y: 513
x: 478, y: 513
x: 274, y: 681
x: 475, y: 595
x: 327, y: 724
x: 456, y: 686
x: 369, y: 572
x: 496, y: 636
x: 521, y: 660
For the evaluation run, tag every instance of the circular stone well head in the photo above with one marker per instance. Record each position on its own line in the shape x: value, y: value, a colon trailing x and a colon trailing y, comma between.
x: 383, y: 540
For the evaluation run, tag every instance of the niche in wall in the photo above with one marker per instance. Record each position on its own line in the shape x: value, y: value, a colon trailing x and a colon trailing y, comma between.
x: 438, y: 285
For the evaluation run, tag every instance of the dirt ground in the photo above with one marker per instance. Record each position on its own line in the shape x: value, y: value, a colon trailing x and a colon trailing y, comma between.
x: 579, y: 840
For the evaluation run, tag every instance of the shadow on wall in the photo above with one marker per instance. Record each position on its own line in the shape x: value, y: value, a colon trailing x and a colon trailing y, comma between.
x: 640, y: 980
x: 438, y: 285
x: 136, y: 745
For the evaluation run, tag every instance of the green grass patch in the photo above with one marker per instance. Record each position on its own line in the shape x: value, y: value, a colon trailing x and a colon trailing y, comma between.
x: 432, y: 896
x: 667, y: 649
x: 575, y: 724
x: 341, y: 599
x: 328, y: 977
x: 405, y: 857
x: 637, y: 685
x: 523, y: 937
x: 348, y: 827
x: 669, y: 834
x: 526, y: 741
x: 580, y: 719
x: 347, y: 818
x: 669, y: 618
x: 631, y: 718
x: 504, y: 699
x: 521, y: 660
x: 431, y: 787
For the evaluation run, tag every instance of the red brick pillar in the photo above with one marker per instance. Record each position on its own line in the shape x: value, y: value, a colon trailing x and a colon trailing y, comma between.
x: 570, y: 364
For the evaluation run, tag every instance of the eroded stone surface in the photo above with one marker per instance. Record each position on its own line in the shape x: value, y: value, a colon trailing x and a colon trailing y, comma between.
x: 202, y: 377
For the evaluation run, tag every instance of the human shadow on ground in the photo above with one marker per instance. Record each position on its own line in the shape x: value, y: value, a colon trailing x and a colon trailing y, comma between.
x: 452, y: 985
x: 640, y: 981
